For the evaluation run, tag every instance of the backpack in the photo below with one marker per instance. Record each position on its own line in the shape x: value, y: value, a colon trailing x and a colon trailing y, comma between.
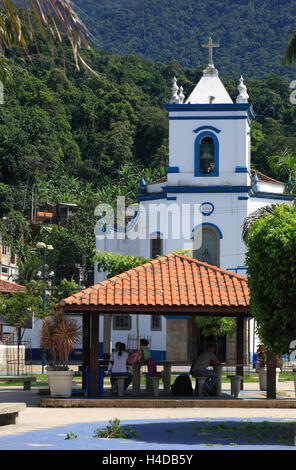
x: 182, y: 385
x: 134, y: 357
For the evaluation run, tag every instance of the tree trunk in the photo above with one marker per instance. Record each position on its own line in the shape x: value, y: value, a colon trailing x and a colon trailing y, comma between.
x: 271, y: 375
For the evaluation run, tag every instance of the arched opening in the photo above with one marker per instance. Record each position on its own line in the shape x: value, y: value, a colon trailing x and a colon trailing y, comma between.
x: 206, y: 156
x: 155, y: 246
x: 206, y: 245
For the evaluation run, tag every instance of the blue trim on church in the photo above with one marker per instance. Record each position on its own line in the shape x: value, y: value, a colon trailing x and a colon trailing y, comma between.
x: 151, y: 197
x: 241, y: 169
x: 207, y: 224
x: 210, y: 128
x: 282, y: 197
x: 173, y: 169
x: 196, y: 154
x: 207, y: 118
x: 206, y: 189
x: 211, y: 107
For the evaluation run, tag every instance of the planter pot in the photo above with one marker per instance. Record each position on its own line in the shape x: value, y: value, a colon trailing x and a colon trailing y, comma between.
x: 235, y: 381
x: 262, y: 372
x: 60, y: 382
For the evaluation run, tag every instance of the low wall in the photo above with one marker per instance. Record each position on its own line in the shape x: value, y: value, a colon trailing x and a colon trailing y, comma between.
x: 12, y: 359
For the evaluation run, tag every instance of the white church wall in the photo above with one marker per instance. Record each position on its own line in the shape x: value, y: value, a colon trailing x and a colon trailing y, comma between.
x: 233, y: 143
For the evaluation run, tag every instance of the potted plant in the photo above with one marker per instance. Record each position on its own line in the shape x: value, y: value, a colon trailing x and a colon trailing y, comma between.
x: 261, y: 367
x: 59, y: 335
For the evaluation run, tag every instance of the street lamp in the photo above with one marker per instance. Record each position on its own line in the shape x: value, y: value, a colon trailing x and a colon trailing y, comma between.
x: 44, y: 247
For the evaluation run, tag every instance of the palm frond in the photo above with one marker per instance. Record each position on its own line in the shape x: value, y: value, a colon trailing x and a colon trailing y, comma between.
x: 53, y: 16
x: 261, y: 212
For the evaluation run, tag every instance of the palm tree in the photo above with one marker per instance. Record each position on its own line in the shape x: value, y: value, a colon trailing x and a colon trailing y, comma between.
x: 261, y: 212
x: 53, y: 16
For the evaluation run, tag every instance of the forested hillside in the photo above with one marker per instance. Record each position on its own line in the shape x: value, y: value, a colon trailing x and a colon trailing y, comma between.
x: 253, y: 34
x: 77, y: 138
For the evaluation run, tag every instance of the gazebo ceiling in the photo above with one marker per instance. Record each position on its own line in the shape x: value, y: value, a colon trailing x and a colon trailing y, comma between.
x: 170, y: 284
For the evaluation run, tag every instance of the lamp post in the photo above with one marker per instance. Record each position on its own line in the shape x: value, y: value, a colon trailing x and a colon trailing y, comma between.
x: 44, y: 247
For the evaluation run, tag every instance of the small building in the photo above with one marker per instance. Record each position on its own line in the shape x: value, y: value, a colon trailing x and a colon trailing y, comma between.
x: 8, y: 262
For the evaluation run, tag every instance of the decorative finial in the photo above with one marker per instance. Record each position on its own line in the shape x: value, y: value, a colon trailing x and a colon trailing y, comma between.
x: 175, y: 89
x: 101, y: 225
x: 181, y: 95
x: 142, y: 186
x: 243, y: 94
x: 255, y: 185
x: 211, y: 99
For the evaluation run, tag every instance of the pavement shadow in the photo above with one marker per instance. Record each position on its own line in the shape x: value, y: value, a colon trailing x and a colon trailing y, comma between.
x: 222, y: 432
x: 30, y: 397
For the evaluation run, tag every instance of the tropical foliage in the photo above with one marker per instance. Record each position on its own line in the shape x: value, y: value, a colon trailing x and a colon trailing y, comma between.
x: 271, y: 261
x: 18, y: 26
x: 253, y: 34
x: 59, y: 335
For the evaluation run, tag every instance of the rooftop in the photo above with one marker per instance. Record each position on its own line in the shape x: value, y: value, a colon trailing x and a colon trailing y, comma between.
x: 170, y: 283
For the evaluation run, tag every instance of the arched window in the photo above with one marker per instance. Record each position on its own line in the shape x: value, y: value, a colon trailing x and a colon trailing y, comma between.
x: 206, y: 245
x: 155, y: 246
x: 206, y: 154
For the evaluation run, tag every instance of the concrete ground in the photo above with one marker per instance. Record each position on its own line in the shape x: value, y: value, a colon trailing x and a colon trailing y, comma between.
x: 161, y: 428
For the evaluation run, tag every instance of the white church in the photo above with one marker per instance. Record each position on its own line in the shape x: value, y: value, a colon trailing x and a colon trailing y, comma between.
x: 200, y: 205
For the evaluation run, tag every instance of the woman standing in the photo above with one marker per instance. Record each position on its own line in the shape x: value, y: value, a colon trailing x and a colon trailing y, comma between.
x: 117, y: 366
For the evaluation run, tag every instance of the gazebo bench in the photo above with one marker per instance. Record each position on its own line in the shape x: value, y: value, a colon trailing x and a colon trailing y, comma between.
x: 152, y: 384
x: 199, y: 384
x: 26, y: 379
x: 119, y: 383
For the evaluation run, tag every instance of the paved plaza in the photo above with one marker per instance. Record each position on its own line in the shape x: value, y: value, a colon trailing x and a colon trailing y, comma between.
x: 151, y: 429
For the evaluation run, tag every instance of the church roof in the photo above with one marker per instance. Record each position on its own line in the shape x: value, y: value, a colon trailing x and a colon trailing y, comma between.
x: 264, y: 178
x: 209, y: 89
x: 169, y: 283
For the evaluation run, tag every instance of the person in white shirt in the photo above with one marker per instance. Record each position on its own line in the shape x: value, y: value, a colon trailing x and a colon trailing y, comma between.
x: 117, y: 365
x: 200, y: 366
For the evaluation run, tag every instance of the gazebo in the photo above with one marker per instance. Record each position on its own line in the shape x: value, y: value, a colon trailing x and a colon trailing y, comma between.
x: 172, y: 284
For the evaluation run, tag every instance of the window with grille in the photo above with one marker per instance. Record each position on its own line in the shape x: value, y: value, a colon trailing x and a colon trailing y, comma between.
x: 156, y: 322
x: 122, y: 322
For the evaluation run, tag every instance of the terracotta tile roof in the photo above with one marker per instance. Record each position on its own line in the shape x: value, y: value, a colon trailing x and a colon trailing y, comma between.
x: 264, y: 178
x: 160, y: 180
x: 169, y: 283
x: 10, y: 287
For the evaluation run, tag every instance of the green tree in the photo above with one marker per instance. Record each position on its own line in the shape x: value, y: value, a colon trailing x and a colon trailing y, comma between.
x: 15, y: 308
x: 271, y: 261
x: 215, y: 328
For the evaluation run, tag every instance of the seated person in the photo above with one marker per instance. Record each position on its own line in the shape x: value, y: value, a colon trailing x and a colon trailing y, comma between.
x: 151, y: 363
x: 117, y: 366
x: 200, y: 366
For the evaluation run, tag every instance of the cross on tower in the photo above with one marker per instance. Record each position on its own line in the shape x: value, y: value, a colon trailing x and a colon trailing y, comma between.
x: 210, y: 46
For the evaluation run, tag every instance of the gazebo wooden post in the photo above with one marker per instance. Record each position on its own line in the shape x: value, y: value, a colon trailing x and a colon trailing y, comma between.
x: 85, y: 347
x: 94, y: 355
x: 271, y: 375
x: 240, y: 347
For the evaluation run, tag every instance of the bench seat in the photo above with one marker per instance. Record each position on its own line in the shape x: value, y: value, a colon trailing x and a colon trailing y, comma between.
x: 26, y: 379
